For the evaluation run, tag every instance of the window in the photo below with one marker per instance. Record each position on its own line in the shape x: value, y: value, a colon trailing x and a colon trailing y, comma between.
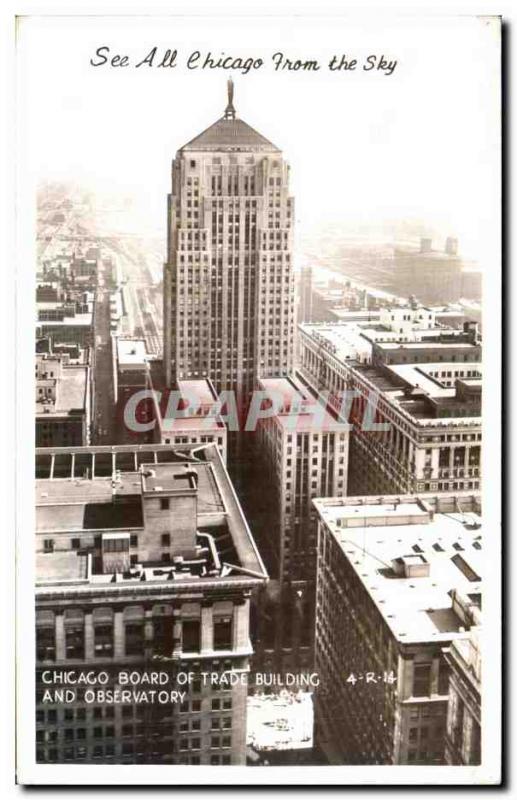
x: 48, y: 545
x: 166, y: 539
x: 133, y: 540
x: 134, y: 639
x: 443, y: 677
x: 223, y: 633
x: 76, y: 544
x: 45, y: 644
x: 103, y: 641
x: 74, y: 641
x: 422, y: 680
x: 164, y: 503
x: 191, y: 640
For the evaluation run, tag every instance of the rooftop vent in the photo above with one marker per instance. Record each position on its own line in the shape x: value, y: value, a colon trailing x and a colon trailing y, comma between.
x: 411, y: 566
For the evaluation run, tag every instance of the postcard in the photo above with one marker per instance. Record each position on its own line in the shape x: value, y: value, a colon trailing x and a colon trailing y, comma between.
x: 258, y: 336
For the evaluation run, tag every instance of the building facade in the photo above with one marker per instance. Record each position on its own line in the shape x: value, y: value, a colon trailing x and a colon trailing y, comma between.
x: 145, y: 566
x: 388, y: 568
x: 463, y: 738
x: 63, y: 399
x: 415, y: 406
x: 305, y: 452
x: 229, y: 279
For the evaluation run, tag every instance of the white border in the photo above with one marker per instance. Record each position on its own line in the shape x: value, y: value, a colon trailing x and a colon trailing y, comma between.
x: 29, y: 772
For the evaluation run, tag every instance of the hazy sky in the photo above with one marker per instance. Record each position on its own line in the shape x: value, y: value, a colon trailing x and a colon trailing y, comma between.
x: 422, y: 142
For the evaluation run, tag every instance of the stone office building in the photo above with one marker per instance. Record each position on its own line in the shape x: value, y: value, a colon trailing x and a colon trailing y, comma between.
x: 390, y: 570
x: 229, y: 288
x: 416, y: 410
x: 145, y: 564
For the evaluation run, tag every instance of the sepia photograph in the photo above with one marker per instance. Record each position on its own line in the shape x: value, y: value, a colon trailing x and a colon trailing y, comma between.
x: 259, y: 330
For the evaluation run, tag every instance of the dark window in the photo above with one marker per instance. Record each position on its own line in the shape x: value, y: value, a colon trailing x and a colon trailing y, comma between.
x: 133, y: 540
x: 45, y: 644
x: 191, y: 636
x: 422, y: 680
x: 223, y: 633
x: 166, y: 539
x: 162, y: 635
x: 164, y: 503
x: 443, y: 677
x: 103, y: 641
x: 74, y: 641
x: 134, y: 639
x: 76, y: 544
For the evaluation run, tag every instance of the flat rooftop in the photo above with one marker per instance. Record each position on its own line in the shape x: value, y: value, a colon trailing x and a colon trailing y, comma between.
x: 420, y: 375
x: 201, y: 389
x: 297, y: 398
x: 423, y: 345
x: 131, y: 351
x: 373, y: 535
x: 396, y: 381
x: 102, y: 503
x: 112, y: 505
x: 345, y: 340
x: 199, y: 396
x: 71, y: 392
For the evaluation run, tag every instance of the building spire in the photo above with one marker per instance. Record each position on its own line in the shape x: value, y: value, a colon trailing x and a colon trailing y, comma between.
x: 229, y: 112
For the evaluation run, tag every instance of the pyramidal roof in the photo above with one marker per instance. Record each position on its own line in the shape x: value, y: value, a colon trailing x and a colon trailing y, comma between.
x: 230, y: 134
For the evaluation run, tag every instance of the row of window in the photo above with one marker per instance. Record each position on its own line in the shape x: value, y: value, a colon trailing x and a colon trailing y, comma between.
x: 135, y: 640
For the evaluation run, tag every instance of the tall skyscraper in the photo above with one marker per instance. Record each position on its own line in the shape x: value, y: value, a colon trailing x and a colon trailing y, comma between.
x: 228, y: 280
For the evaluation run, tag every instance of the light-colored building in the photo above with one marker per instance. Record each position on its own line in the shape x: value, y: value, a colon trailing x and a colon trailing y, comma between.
x: 131, y: 367
x: 389, y: 569
x: 145, y: 563
x: 63, y: 400
x: 229, y: 288
x: 425, y: 395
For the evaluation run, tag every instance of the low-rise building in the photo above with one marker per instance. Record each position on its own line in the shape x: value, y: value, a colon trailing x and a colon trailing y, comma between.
x: 63, y: 400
